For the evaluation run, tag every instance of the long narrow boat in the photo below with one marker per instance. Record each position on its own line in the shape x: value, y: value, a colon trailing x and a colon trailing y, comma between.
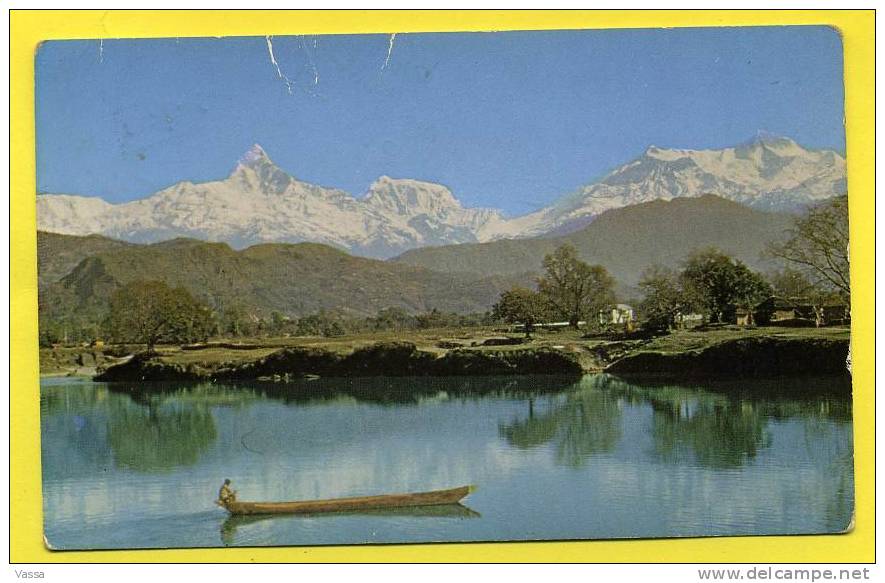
x: 432, y: 498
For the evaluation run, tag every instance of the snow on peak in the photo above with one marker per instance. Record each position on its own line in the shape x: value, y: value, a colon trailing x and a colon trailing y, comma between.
x: 254, y: 155
x: 413, y: 197
x: 665, y: 153
x: 768, y: 172
x: 764, y: 137
x: 255, y: 159
x: 256, y: 172
x: 260, y: 202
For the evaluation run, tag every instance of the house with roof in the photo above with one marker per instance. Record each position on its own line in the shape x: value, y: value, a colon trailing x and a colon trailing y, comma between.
x: 778, y: 311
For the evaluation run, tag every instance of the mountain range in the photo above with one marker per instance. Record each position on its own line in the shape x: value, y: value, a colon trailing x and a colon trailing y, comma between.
x: 259, y: 202
x: 77, y: 275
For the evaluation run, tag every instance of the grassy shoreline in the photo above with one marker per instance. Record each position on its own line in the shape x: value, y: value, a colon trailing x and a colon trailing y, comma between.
x: 714, y: 352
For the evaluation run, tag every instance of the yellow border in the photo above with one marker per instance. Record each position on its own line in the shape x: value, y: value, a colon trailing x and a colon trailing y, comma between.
x: 30, y: 27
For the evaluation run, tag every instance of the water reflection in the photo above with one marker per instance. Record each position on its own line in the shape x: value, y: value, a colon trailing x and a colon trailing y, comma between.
x: 709, y: 434
x: 392, y: 391
x: 585, y: 423
x: 723, y: 428
x: 159, y: 438
x: 125, y: 467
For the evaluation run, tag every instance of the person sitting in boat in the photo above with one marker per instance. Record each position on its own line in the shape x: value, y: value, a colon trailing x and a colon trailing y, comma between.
x: 225, y: 494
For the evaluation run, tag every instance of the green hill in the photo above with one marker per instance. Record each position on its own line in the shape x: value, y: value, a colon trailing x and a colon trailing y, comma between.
x: 58, y: 254
x: 292, y: 279
x: 626, y: 240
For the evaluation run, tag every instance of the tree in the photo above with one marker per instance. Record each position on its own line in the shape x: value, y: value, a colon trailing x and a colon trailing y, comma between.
x: 791, y: 283
x: 393, y: 319
x: 717, y: 283
x: 277, y: 322
x: 662, y: 297
x: 573, y: 288
x: 234, y: 320
x: 151, y: 312
x: 520, y: 306
x: 322, y: 323
x: 818, y: 245
x: 436, y: 319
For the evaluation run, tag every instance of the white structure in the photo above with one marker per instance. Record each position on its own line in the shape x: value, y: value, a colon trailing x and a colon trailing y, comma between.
x: 619, y: 314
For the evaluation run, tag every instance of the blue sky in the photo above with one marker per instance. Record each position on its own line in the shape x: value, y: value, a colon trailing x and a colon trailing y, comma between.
x: 509, y: 120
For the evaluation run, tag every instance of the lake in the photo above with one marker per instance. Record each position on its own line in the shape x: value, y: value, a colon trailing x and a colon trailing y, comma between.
x: 552, y: 458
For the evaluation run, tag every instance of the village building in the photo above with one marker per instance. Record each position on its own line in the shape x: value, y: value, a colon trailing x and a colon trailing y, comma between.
x: 690, y: 320
x: 619, y: 314
x: 777, y: 311
x: 744, y: 317
x: 836, y: 315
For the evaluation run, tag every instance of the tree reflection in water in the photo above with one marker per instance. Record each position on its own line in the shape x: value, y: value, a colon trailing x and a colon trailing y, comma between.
x: 159, y: 437
x: 720, y: 428
x: 710, y: 434
x: 586, y: 422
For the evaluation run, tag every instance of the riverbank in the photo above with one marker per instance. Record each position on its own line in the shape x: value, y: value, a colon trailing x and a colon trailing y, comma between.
x: 753, y: 357
x: 722, y: 352
x: 389, y: 359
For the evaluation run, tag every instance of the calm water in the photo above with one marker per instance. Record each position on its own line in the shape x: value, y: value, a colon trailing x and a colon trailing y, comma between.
x: 552, y: 459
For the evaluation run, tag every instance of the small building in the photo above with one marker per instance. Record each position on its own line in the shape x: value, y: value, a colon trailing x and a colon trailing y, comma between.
x: 519, y: 326
x: 619, y: 314
x: 836, y: 315
x: 744, y: 317
x: 690, y: 320
x: 556, y: 325
x: 778, y: 311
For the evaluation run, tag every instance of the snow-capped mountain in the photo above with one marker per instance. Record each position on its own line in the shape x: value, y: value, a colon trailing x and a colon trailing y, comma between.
x: 769, y: 173
x: 259, y: 202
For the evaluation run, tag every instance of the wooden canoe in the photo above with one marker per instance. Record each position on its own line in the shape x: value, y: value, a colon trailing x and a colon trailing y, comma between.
x: 432, y: 498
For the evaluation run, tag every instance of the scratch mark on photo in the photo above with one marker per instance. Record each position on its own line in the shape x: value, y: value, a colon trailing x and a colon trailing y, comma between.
x: 389, y: 52
x: 273, y: 61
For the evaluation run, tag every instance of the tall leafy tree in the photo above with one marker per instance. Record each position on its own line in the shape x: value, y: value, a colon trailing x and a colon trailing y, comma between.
x: 520, y: 306
x: 818, y: 245
x: 663, y: 298
x: 791, y: 283
x: 718, y: 283
x: 574, y: 289
x: 150, y: 312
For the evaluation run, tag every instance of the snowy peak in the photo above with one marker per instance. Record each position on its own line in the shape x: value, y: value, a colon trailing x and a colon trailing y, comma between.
x: 256, y: 171
x: 411, y: 197
x: 254, y: 156
x: 762, y: 141
x: 259, y: 202
x: 767, y: 172
x: 766, y: 138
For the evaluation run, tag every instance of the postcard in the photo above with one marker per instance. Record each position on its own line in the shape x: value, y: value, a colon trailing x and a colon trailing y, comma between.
x: 443, y: 287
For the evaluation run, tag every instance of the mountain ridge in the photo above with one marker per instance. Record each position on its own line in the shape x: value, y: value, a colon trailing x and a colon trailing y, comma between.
x: 259, y: 202
x: 627, y: 240
x: 292, y: 279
